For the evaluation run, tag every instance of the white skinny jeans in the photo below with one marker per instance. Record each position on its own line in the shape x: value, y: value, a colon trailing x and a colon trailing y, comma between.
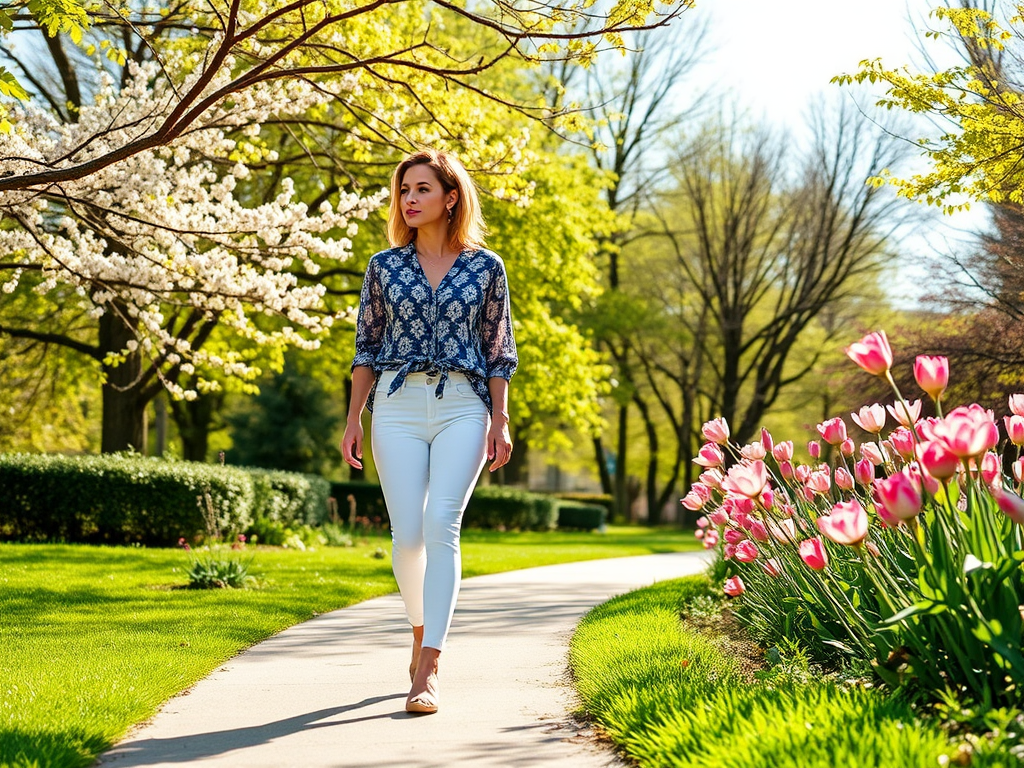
x: 428, y: 453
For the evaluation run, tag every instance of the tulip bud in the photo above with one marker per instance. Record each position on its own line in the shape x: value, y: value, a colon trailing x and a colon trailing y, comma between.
x: 899, y: 496
x: 812, y: 552
x: 734, y: 587
x: 871, y: 452
x: 832, y: 431
x: 734, y: 537
x: 692, y: 501
x: 1015, y: 429
x: 767, y: 498
x: 772, y: 566
x: 872, y: 353
x: 753, y: 451
x: 990, y: 469
x: 902, y: 440
x: 766, y: 440
x: 746, y: 551
x: 844, y: 479
x: 729, y: 551
x: 847, y: 447
x: 786, y: 470
x: 783, y: 451
x: 802, y: 473
x: 719, y: 517
x: 758, y: 530
x: 712, y: 478
x: 716, y: 431
x: 1017, y: 405
x: 703, y: 522
x: 1010, y: 503
x: 1018, y: 470
x: 814, y: 448
x: 864, y: 471
x: 936, y: 460
x: 932, y: 374
x: 710, y: 455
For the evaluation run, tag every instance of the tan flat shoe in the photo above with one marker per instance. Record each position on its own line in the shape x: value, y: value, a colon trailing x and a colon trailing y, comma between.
x: 425, y: 703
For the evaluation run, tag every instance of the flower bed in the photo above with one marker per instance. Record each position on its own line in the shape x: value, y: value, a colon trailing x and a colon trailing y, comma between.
x: 903, y: 553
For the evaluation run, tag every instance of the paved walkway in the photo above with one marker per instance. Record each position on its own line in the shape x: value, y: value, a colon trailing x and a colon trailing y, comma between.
x: 331, y: 691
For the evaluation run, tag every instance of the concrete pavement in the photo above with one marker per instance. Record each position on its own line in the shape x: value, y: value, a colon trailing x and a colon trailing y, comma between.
x: 330, y: 693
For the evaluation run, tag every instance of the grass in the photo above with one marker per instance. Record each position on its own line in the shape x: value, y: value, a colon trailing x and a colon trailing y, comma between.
x: 94, y: 639
x: 670, y: 695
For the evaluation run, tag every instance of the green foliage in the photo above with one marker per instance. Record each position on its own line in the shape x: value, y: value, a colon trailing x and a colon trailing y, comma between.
x: 218, y: 568
x: 585, y: 517
x: 359, y: 499
x: 289, y: 497
x: 493, y: 506
x: 601, y: 499
x: 669, y: 696
x: 289, y: 425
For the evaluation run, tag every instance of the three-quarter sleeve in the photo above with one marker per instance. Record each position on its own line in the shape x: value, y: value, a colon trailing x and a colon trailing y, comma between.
x: 497, y: 340
x: 372, y: 318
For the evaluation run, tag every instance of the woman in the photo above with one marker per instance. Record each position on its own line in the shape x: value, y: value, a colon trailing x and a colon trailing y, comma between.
x: 434, y: 355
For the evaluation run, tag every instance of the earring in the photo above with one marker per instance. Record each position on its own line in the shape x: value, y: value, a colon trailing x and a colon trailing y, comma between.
x: 451, y: 213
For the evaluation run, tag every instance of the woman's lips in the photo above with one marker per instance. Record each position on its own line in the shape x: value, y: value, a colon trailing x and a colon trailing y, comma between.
x: 410, y: 212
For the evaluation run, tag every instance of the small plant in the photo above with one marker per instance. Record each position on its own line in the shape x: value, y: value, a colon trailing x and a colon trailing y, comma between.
x: 218, y: 566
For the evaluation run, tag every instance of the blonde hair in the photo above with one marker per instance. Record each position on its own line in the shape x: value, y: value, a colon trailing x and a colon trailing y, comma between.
x: 466, y: 228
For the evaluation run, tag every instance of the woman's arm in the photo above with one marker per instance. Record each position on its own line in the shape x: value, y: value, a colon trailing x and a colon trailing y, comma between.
x: 352, y: 443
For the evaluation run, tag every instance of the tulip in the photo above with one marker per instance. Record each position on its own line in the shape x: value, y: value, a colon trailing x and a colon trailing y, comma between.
x: 802, y: 472
x: 1015, y: 429
x: 871, y: 452
x: 844, y: 479
x: 872, y: 548
x: 716, y: 431
x: 753, y: 451
x: 758, y: 530
x: 746, y: 551
x: 847, y: 447
x: 737, y: 507
x: 787, y: 510
x: 1017, y: 405
x: 734, y: 587
x: 742, y: 519
x: 768, y: 498
x: 699, y: 533
x: 710, y: 455
x: 1018, y: 469
x: 746, y: 479
x: 710, y: 538
x: 906, y: 413
x: 729, y: 551
x: 932, y: 374
x: 936, y: 460
x: 864, y: 471
x: 734, y: 537
x: 719, y: 517
x: 783, y: 530
x: 872, y: 353
x: 967, y: 432
x: 819, y: 482
x: 814, y: 448
x: 772, y: 566
x: 703, y: 522
x: 922, y: 478
x: 767, y: 440
x: 990, y: 469
x: 712, y: 478
x: 783, y: 451
x: 870, y: 418
x: 812, y: 552
x: 832, y: 431
x: 786, y: 470
x: 692, y: 501
x: 846, y: 524
x: 899, y: 496
x: 1010, y: 503
x: 902, y: 440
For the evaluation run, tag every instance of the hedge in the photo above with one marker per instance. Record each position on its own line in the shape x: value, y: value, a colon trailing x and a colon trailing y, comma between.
x: 126, y: 498
x: 600, y: 499
x: 493, y: 506
x: 585, y: 517
x: 368, y: 497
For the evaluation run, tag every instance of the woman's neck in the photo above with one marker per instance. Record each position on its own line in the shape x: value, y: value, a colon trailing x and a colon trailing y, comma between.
x: 432, y: 240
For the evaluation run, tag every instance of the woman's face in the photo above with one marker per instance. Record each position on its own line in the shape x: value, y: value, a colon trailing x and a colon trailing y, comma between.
x: 423, y: 199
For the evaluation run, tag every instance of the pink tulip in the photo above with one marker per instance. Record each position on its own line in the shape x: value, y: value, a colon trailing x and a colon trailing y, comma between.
x: 738, y: 507
x: 734, y: 587
x: 742, y: 519
x: 990, y: 469
x: 899, y: 496
x: 902, y: 440
x: 767, y: 440
x: 746, y: 551
x: 758, y: 530
x: 710, y: 455
x: 692, y: 501
x: 772, y: 566
x: 1015, y: 428
x: 847, y: 447
x: 871, y: 452
x: 937, y: 460
x: 932, y: 374
x: 832, y: 431
x: 729, y: 551
x: 1017, y: 405
x: 786, y: 470
x: 814, y: 448
x: 820, y: 482
x: 716, y: 431
x: 747, y: 479
x: 923, y: 479
x: 768, y: 498
x: 710, y: 538
x: 802, y: 472
x: 872, y: 353
x: 847, y: 523
x: 870, y: 418
x: 712, y: 478
x: 703, y: 522
x: 844, y: 479
x: 783, y: 530
x: 698, y: 534
x: 812, y: 552
x: 734, y: 537
x: 719, y: 517
x: 906, y: 413
x: 783, y: 451
x: 787, y: 510
x: 1018, y: 469
x: 864, y: 471
x: 753, y: 451
x: 967, y: 431
x: 1010, y: 503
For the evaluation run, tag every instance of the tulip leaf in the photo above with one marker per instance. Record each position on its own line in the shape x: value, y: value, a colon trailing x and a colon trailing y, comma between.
x: 921, y: 608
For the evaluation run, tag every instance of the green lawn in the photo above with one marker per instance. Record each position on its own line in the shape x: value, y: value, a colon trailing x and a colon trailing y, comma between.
x: 669, y: 695
x: 94, y: 639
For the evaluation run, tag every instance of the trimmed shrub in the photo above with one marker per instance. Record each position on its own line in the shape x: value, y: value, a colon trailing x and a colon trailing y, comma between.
x: 117, y: 499
x: 585, y: 517
x: 600, y: 499
x: 289, y: 497
x: 502, y: 507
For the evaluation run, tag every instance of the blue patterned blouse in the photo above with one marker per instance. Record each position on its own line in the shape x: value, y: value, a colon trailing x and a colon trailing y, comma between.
x: 465, y: 325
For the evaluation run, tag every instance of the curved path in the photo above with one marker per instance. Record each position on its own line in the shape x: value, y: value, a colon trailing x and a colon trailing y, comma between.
x: 331, y: 691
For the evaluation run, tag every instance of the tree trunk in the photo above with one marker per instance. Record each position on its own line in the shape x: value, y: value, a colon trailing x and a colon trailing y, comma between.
x: 517, y: 471
x: 193, y: 419
x: 602, y: 467
x: 123, y: 406
x: 651, y: 488
x: 621, y: 491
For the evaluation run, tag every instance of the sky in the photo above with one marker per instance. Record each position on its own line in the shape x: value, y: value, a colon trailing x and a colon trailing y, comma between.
x: 776, y: 56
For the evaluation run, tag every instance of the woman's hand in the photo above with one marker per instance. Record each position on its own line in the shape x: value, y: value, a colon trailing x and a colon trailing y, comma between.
x: 352, y: 444
x: 499, y: 443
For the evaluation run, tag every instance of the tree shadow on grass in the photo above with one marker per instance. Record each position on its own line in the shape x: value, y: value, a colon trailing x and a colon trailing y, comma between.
x: 63, y: 748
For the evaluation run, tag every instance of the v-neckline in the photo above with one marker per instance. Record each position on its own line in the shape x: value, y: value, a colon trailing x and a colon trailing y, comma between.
x: 433, y: 290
